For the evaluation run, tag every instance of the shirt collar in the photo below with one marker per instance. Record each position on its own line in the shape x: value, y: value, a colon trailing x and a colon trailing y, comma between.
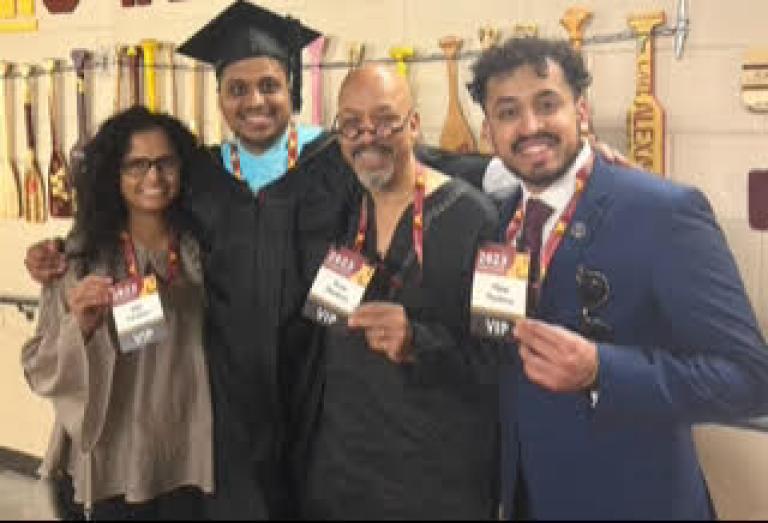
x: 279, y: 147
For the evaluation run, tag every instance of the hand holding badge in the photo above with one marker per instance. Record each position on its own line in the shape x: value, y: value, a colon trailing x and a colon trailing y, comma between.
x: 499, y: 290
x: 89, y: 302
x: 136, y: 309
x: 339, y: 287
x: 138, y: 313
x: 136, y: 306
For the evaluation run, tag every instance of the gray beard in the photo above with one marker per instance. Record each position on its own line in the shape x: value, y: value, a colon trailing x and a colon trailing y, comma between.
x: 376, y: 181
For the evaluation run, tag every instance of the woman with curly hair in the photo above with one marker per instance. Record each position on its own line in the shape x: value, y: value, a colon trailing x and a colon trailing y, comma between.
x: 132, y: 401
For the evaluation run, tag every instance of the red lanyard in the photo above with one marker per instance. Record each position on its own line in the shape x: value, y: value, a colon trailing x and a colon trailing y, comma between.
x: 419, y: 193
x: 293, y: 152
x: 132, y: 266
x: 556, y: 238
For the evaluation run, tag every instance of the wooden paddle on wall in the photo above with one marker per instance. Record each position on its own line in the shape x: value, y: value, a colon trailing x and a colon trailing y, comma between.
x: 355, y: 54
x: 194, y: 100
x: 34, y: 188
x: 211, y: 94
x: 119, y: 59
x: 401, y: 55
x: 60, y: 195
x: 456, y: 135
x: 149, y: 50
x: 10, y: 194
x: 173, y: 106
x: 80, y: 58
x: 316, y: 52
x: 574, y: 19
x: 489, y: 37
x: 645, y: 119
x: 134, y: 73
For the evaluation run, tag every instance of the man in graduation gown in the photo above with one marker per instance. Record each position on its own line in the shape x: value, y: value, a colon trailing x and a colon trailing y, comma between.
x: 250, y: 245
x: 639, y: 324
x: 261, y: 253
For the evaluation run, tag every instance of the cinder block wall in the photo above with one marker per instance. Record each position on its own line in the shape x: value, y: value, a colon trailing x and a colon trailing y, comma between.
x: 712, y: 139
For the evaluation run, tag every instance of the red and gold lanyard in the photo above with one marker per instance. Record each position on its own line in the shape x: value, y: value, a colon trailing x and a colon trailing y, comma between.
x: 419, y: 193
x: 556, y: 238
x: 293, y: 152
x: 132, y: 266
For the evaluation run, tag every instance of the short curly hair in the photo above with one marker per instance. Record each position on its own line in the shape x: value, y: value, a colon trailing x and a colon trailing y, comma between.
x: 517, y: 52
x: 101, y: 211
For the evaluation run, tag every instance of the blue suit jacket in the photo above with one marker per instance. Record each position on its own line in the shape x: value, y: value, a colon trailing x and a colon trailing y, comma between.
x: 686, y: 349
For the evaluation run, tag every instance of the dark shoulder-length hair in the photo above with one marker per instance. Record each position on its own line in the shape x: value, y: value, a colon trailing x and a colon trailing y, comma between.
x: 101, y: 211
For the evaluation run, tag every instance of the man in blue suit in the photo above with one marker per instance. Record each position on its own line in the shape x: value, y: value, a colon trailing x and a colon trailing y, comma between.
x: 638, y: 323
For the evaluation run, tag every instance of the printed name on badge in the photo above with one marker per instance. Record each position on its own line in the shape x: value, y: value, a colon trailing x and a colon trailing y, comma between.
x: 339, y: 287
x: 138, y: 313
x: 499, y: 290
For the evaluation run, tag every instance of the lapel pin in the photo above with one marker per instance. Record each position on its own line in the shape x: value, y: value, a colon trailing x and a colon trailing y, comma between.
x: 578, y: 230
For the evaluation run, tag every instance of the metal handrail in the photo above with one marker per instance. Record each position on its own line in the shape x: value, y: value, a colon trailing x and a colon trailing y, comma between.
x: 25, y: 305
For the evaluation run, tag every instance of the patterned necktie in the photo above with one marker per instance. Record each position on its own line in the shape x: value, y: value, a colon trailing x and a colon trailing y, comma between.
x: 536, y: 214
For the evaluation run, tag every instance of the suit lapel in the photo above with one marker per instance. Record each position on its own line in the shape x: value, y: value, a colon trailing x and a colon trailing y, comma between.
x: 586, y: 222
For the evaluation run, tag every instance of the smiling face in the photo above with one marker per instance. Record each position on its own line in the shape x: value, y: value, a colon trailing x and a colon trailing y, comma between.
x: 373, y: 98
x: 533, y: 123
x: 150, y: 177
x: 255, y: 100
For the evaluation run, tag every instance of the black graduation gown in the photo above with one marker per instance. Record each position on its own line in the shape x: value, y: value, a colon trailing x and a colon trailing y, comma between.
x: 260, y: 255
x: 254, y: 285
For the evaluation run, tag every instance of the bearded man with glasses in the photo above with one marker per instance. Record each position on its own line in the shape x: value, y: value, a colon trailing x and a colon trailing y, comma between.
x: 404, y: 425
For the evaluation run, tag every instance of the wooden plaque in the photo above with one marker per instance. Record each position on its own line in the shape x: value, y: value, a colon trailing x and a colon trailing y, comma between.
x: 754, y: 80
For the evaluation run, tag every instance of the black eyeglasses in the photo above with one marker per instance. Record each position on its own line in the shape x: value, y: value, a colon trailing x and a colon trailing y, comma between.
x: 594, y: 291
x: 139, y: 167
x: 383, y: 127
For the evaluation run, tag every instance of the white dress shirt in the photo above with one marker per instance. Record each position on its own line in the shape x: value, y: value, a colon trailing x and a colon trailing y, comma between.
x: 560, y: 192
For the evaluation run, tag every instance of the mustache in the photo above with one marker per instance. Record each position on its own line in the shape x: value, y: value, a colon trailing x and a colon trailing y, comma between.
x: 550, y: 138
x: 381, y: 149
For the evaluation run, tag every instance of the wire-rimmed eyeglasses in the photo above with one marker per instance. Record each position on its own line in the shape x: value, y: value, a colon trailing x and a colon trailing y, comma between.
x: 383, y: 127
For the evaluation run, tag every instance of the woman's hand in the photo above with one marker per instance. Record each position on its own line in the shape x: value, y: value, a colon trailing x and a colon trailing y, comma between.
x: 89, y: 301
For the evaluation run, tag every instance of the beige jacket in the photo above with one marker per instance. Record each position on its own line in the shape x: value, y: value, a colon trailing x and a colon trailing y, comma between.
x: 137, y: 424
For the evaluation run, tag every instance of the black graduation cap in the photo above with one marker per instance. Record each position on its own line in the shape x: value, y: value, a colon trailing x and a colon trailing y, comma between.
x: 245, y: 30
